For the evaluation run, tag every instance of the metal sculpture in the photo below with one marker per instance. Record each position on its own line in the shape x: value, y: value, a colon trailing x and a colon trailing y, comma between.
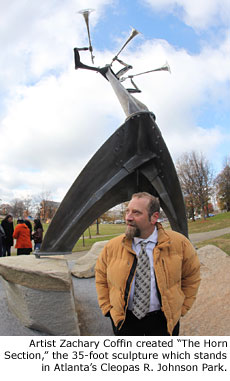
x: 135, y: 158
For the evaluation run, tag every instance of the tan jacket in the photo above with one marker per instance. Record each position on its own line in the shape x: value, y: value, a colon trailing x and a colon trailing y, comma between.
x: 177, y: 271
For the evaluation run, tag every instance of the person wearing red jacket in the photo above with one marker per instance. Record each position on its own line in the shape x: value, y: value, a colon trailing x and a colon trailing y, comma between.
x: 22, y: 236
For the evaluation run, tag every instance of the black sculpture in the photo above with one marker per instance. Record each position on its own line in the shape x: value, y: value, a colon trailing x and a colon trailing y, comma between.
x: 135, y: 158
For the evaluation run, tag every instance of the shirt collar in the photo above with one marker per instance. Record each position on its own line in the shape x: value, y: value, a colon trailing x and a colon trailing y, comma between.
x: 152, y: 238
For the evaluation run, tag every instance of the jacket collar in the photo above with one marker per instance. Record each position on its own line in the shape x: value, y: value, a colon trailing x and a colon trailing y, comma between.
x: 163, y: 237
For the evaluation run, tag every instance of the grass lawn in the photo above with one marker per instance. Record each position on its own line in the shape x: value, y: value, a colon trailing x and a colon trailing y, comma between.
x: 89, y: 242
x: 219, y: 221
x: 223, y: 242
x: 106, y: 232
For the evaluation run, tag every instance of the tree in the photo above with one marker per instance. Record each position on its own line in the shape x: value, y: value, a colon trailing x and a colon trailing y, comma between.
x: 18, y: 207
x: 115, y: 213
x: 5, y: 209
x: 196, y: 178
x: 222, y: 183
x: 27, y: 205
x: 185, y: 173
x: 203, y: 181
x: 46, y: 208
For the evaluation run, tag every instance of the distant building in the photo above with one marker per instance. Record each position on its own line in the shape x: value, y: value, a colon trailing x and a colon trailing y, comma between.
x: 48, y: 210
x: 5, y: 209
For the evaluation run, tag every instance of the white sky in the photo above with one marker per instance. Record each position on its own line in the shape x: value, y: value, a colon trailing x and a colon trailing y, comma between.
x: 53, y: 118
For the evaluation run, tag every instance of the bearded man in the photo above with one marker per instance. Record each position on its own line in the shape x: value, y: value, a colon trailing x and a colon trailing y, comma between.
x: 147, y: 278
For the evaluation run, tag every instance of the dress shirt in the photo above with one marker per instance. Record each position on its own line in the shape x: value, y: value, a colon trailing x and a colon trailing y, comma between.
x: 151, y: 243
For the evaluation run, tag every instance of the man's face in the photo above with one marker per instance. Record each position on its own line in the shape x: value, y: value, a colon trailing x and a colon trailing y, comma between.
x: 137, y: 219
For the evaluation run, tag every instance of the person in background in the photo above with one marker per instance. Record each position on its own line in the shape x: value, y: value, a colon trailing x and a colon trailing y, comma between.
x: 2, y: 235
x: 38, y: 234
x: 22, y: 236
x: 28, y: 224
x: 7, y: 240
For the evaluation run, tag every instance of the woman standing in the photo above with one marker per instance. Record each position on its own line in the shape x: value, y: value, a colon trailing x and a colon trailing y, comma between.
x: 38, y: 234
x: 7, y: 241
x: 22, y: 235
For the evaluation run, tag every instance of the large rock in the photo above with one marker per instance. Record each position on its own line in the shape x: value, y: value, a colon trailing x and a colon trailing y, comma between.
x: 84, y: 267
x: 40, y: 293
x: 42, y: 274
x: 210, y: 314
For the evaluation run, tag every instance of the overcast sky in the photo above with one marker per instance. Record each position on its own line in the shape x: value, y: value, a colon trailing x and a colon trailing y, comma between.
x: 54, y: 118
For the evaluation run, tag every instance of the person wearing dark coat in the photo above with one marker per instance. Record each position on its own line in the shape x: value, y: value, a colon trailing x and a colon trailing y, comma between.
x: 29, y: 225
x: 7, y: 240
x: 38, y: 234
x: 2, y: 234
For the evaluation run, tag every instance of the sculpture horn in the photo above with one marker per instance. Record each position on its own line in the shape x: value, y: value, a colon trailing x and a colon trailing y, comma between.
x: 134, y: 32
x: 86, y: 13
x: 165, y: 67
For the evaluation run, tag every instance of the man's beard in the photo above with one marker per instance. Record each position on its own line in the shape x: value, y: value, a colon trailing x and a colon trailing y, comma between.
x: 132, y: 231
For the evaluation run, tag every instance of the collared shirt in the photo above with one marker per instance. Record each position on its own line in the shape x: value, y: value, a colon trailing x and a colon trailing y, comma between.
x: 151, y: 243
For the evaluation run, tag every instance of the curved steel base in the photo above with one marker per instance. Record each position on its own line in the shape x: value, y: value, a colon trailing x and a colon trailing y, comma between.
x: 135, y: 158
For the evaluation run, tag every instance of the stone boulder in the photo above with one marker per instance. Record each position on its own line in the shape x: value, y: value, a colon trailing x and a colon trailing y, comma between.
x: 40, y: 293
x: 210, y: 314
x: 85, y: 266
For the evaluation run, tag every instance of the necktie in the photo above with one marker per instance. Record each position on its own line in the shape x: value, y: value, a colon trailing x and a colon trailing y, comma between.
x: 141, y: 298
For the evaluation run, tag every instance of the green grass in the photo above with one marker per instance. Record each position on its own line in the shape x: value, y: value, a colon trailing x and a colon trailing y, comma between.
x: 89, y: 242
x: 105, y: 229
x: 219, y: 221
x: 223, y: 242
x: 106, y: 232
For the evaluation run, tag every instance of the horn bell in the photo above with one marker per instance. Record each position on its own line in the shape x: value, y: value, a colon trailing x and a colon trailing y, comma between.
x: 133, y: 33
x: 166, y: 67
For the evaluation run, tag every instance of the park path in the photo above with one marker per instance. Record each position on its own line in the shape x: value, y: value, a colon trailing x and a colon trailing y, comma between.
x: 204, y: 236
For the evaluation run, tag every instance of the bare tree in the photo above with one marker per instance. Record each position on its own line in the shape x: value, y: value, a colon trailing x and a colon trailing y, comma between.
x: 45, y: 206
x: 28, y: 205
x: 18, y: 207
x: 222, y: 183
x: 203, y: 181
x: 196, y: 178
x: 5, y: 209
x: 186, y: 176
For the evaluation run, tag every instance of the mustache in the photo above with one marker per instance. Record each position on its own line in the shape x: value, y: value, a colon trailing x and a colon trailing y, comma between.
x: 133, y: 224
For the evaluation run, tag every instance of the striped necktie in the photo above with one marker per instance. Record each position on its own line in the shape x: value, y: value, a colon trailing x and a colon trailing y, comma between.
x: 141, y: 298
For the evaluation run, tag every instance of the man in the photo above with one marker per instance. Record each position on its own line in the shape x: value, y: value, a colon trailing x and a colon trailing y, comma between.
x: 148, y: 278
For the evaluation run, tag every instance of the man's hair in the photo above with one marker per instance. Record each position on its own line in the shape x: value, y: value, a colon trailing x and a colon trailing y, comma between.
x: 154, y: 204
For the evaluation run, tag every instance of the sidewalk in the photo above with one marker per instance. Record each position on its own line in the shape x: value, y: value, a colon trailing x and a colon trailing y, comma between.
x: 200, y: 237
